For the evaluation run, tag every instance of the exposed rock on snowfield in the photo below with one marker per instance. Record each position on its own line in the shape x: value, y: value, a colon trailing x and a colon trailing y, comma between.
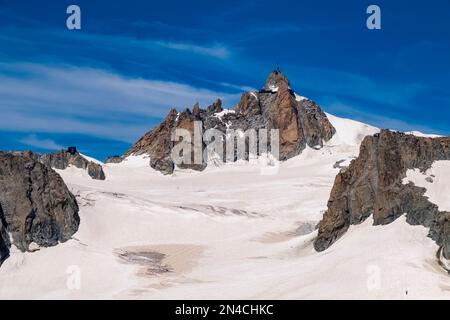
x: 144, y: 236
x: 62, y: 159
x: 300, y: 122
x: 114, y: 159
x: 373, y: 185
x: 36, y: 208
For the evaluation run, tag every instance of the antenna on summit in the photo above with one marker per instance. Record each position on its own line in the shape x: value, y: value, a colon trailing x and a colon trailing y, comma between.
x: 278, y: 68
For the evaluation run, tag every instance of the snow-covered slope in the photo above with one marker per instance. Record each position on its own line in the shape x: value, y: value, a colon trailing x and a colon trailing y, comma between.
x: 436, y: 181
x: 349, y: 132
x: 91, y: 159
x: 229, y: 232
x: 421, y: 134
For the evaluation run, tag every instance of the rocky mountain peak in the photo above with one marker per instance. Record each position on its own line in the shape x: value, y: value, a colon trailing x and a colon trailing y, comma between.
x: 172, y: 114
x: 275, y: 80
x: 216, y: 107
x: 196, y: 110
x: 300, y: 123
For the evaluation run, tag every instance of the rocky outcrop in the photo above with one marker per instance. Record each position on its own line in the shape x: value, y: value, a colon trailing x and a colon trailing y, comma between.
x: 114, y: 159
x: 300, y: 122
x: 157, y: 143
x: 373, y: 185
x: 95, y: 171
x: 35, y: 204
x: 4, y: 237
x: 62, y: 159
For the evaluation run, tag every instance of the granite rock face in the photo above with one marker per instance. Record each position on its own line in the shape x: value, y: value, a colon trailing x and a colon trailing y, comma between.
x: 373, y: 185
x: 35, y: 204
x: 300, y: 122
x: 62, y: 159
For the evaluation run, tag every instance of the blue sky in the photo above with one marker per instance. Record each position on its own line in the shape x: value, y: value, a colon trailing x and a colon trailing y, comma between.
x: 100, y: 88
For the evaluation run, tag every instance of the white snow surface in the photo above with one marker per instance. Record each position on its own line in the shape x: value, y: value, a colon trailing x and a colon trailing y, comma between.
x: 349, y: 132
x: 436, y: 181
x: 300, y: 98
x: 91, y: 159
x: 223, y: 112
x: 424, y: 135
x: 273, y: 88
x: 254, y: 95
x: 229, y: 232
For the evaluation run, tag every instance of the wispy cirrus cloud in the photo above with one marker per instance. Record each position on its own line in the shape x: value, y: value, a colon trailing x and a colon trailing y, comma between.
x: 33, y: 140
x: 215, y: 50
x: 147, y: 54
x: 55, y: 38
x: 68, y: 99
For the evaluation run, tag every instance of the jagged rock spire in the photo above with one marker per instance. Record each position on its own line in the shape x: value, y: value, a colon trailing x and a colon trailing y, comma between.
x: 300, y: 123
x: 196, y: 110
x: 275, y: 79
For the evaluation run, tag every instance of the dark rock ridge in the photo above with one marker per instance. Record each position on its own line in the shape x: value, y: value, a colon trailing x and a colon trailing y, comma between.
x: 372, y: 185
x: 300, y: 122
x: 35, y: 204
x: 114, y: 159
x: 62, y: 159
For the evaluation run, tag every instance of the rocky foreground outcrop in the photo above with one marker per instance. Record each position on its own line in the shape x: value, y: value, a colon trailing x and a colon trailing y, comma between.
x: 373, y: 185
x: 62, y: 159
x: 35, y: 205
x: 300, y: 122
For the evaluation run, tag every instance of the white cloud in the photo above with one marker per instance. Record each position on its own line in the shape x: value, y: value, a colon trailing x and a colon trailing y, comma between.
x: 216, y: 50
x: 33, y: 141
x: 237, y: 87
x: 66, y: 99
